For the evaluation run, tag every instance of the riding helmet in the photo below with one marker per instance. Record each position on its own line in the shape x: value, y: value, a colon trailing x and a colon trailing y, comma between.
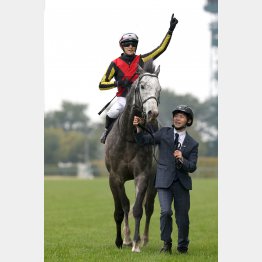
x: 186, y: 110
x: 128, y: 37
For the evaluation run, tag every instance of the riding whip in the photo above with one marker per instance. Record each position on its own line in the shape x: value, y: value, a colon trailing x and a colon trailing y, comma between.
x: 106, y: 105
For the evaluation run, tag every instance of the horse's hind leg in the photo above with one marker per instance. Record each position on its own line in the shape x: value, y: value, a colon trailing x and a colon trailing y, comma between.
x: 119, y: 213
x: 149, y: 209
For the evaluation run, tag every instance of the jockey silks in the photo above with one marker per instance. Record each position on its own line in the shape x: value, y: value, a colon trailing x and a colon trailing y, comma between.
x: 126, y: 63
x: 129, y: 72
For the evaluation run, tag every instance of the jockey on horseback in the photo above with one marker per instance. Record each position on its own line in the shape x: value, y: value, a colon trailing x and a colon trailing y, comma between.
x: 123, y: 69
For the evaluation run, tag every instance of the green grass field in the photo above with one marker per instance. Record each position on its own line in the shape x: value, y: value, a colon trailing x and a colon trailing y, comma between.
x: 79, y: 223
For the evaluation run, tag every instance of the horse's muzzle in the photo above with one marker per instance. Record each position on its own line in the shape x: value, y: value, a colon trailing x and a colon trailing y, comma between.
x: 152, y: 115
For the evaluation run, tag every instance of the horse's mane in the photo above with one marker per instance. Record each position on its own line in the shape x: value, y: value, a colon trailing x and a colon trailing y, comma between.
x: 149, y: 66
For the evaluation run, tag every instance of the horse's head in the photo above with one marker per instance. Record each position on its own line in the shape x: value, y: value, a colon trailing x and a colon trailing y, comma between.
x: 147, y: 92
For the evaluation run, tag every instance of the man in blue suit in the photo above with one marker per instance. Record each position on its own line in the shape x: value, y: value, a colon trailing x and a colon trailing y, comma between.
x: 178, y: 154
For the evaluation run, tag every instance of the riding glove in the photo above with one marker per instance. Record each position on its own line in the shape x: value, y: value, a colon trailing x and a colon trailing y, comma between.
x: 123, y: 83
x: 173, y: 23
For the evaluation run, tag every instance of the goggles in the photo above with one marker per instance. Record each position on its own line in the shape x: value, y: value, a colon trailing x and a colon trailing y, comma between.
x: 126, y: 44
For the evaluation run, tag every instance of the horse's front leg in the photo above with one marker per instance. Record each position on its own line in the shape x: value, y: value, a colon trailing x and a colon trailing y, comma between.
x: 149, y: 209
x: 126, y: 207
x: 141, y: 186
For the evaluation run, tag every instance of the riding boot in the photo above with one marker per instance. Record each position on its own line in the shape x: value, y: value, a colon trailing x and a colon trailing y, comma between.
x: 109, y: 122
x: 167, y: 248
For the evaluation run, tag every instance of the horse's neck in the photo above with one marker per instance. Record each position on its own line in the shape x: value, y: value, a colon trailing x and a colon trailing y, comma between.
x: 126, y: 122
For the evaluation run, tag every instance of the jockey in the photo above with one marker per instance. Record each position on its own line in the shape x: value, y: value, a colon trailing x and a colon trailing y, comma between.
x: 123, y: 69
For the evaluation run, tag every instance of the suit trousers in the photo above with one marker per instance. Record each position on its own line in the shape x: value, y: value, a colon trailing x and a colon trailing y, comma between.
x: 181, y: 197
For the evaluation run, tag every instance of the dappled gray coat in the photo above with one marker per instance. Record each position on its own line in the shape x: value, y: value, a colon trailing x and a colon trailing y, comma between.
x: 166, y: 167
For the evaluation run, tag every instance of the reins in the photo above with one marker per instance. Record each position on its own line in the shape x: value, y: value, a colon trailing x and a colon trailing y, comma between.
x: 151, y: 134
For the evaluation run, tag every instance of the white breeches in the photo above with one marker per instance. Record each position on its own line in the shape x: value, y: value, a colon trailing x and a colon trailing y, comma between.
x: 117, y: 108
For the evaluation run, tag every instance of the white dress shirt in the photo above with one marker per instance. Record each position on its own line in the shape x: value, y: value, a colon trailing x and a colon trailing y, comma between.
x: 182, y: 135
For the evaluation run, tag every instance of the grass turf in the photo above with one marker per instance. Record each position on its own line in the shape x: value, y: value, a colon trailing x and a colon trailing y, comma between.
x: 79, y: 223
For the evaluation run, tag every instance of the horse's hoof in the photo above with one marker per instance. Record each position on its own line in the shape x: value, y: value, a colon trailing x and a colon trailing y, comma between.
x: 144, y: 241
x: 136, y: 248
x: 119, y: 243
x: 127, y: 244
x: 119, y: 246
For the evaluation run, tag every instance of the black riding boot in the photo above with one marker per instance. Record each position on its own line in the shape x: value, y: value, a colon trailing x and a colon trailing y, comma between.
x: 167, y: 248
x: 108, y: 125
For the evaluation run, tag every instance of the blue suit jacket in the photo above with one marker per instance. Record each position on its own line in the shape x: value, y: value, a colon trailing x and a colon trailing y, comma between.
x: 166, y: 167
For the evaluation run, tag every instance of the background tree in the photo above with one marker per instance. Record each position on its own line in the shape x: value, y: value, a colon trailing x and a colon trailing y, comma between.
x: 67, y: 134
x: 208, y: 124
x: 72, y: 117
x: 52, y: 145
x: 71, y: 137
x: 61, y: 146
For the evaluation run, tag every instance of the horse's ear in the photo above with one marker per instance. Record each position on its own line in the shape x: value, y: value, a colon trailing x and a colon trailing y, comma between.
x: 140, y: 70
x: 158, y: 70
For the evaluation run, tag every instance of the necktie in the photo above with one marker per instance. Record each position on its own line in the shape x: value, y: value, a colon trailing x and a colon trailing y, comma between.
x: 176, y: 140
x: 178, y: 163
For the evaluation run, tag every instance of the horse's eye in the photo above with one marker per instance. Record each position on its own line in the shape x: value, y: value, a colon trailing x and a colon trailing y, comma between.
x: 142, y: 87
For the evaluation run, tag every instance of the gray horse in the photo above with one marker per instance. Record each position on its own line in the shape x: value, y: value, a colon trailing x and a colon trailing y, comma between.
x: 125, y: 160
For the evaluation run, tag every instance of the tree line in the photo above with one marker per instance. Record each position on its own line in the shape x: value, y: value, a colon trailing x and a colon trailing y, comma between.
x: 70, y: 135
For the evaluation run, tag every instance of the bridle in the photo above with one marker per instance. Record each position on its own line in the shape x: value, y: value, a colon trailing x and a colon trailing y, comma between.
x: 138, y: 105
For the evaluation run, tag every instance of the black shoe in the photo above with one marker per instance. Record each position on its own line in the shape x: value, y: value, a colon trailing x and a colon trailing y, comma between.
x: 182, y: 250
x: 103, y: 137
x: 167, y: 248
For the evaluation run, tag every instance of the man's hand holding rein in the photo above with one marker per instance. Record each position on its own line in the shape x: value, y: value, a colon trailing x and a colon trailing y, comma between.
x: 137, y: 120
